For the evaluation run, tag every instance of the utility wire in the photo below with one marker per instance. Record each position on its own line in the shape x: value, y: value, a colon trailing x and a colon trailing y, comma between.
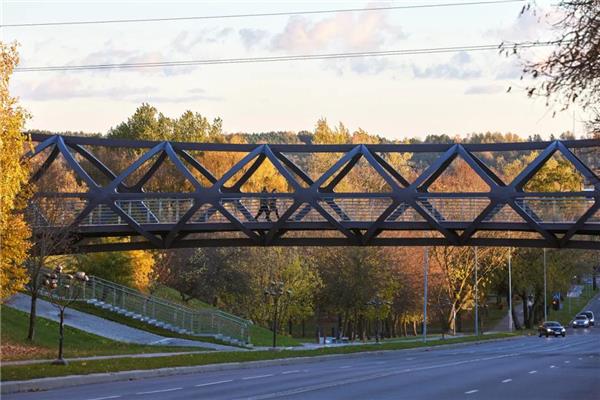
x: 297, y: 57
x: 270, y: 14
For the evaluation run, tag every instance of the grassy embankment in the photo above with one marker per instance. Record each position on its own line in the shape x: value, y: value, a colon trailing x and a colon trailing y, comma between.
x: 14, y: 325
x: 124, y: 364
x: 577, y: 304
x: 259, y: 336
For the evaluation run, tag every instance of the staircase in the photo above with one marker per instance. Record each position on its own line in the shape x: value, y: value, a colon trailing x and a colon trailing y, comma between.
x: 164, y: 314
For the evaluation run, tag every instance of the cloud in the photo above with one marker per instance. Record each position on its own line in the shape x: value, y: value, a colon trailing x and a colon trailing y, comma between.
x: 485, y: 89
x: 252, y: 37
x: 460, y: 66
x: 185, y: 42
x: 348, y: 31
x: 65, y: 87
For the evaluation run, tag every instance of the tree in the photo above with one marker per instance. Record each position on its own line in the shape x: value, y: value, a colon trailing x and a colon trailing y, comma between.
x: 63, y: 289
x: 571, y: 73
x: 129, y: 268
x: 14, y: 232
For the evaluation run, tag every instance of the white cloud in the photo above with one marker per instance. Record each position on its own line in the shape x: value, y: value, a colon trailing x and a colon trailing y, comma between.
x: 252, y: 37
x: 460, y: 66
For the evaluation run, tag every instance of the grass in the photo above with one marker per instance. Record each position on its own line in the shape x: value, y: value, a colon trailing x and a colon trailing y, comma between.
x: 14, y: 325
x: 259, y: 336
x: 11, y: 373
x: 577, y: 304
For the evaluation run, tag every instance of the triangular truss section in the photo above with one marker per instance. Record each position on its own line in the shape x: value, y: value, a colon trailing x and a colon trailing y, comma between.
x: 259, y: 175
x: 506, y: 164
x: 355, y: 209
x: 55, y: 175
x: 504, y: 213
x: 306, y: 213
x: 556, y: 209
x: 458, y: 177
x: 556, y: 175
x: 358, y: 175
x: 166, y: 177
x: 594, y: 219
x: 454, y: 209
x: 207, y: 213
x: 405, y: 213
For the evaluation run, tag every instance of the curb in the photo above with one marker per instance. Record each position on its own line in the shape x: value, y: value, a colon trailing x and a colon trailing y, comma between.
x: 76, y: 380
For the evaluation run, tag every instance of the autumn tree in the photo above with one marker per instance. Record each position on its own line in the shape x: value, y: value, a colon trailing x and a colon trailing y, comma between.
x: 14, y: 232
x: 571, y: 73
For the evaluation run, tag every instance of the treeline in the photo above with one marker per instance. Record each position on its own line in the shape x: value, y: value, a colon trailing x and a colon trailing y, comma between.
x: 331, y: 286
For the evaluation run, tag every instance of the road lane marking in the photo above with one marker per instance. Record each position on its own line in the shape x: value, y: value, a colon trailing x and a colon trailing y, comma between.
x: 247, y: 378
x: 295, y: 371
x: 580, y: 358
x: 567, y: 362
x: 507, y: 380
x: 106, y: 398
x: 472, y: 391
x: 213, y: 383
x: 345, y: 366
x: 380, y: 362
x: 161, y: 390
x: 553, y: 366
x: 533, y: 372
x: 409, y: 358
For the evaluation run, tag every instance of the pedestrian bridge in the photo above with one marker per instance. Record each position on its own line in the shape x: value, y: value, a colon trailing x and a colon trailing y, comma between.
x: 215, y: 210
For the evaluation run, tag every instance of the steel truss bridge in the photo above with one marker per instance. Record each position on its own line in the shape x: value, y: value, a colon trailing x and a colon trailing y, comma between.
x: 312, y: 213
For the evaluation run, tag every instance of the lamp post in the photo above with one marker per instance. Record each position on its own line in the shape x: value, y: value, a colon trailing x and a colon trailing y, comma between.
x: 476, y: 297
x: 276, y: 290
x: 377, y: 303
x: 545, y: 296
x: 510, y: 318
x: 425, y: 279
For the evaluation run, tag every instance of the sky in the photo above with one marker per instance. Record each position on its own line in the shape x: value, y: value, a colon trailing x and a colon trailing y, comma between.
x: 396, y: 96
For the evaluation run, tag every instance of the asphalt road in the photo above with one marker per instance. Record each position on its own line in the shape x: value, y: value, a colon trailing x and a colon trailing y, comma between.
x: 523, y: 368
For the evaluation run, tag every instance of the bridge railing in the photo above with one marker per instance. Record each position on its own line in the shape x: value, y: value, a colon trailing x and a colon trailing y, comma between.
x: 157, y: 210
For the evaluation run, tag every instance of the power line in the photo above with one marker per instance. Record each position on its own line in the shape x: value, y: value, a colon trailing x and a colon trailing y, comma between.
x: 297, y: 57
x: 270, y: 14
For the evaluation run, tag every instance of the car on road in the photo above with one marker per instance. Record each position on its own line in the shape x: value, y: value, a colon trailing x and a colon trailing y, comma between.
x: 590, y: 316
x: 551, y: 328
x: 581, y: 321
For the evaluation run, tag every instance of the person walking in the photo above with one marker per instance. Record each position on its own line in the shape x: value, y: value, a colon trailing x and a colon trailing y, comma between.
x: 264, y: 206
x: 273, y: 205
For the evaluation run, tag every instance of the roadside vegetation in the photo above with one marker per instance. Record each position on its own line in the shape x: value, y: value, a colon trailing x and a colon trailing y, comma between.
x: 11, y: 373
x: 15, y: 346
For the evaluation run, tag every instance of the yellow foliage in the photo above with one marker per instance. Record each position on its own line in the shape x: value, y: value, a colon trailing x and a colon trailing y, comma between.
x: 14, y: 232
x: 142, y: 264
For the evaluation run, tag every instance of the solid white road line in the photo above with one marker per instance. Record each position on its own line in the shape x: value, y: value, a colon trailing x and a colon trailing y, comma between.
x: 507, y: 380
x: 161, y: 391
x: 213, y: 383
x: 472, y: 391
x: 533, y: 372
x: 257, y: 377
x: 106, y: 398
x: 295, y: 371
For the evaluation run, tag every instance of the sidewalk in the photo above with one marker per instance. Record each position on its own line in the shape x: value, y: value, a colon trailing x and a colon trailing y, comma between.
x: 108, y: 329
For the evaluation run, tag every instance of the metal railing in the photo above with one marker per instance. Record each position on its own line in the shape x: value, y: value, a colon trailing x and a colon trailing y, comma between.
x: 163, y: 313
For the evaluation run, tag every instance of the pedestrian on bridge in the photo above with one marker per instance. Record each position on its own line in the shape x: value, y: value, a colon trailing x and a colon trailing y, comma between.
x: 264, y: 206
x: 273, y: 205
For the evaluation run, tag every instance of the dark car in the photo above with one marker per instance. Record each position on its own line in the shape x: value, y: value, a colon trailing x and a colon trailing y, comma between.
x: 581, y: 321
x: 590, y: 316
x: 551, y: 328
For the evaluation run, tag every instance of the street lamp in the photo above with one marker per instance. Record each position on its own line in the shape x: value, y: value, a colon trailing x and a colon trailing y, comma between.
x: 276, y: 290
x: 377, y: 303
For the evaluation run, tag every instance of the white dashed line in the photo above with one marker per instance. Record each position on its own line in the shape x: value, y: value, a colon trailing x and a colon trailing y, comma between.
x: 160, y: 391
x: 106, y: 398
x: 567, y: 362
x: 295, y: 371
x: 213, y: 383
x: 472, y: 391
x: 409, y: 358
x: 553, y: 366
x: 580, y: 358
x: 345, y: 366
x: 380, y: 362
x: 533, y: 372
x: 257, y: 377
x: 507, y: 380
